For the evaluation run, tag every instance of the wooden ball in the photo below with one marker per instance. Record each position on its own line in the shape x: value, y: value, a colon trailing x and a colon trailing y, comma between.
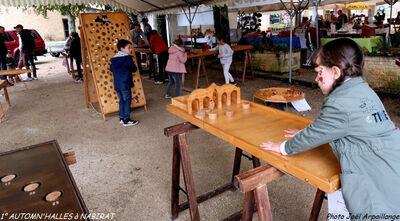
x: 200, y: 114
x: 229, y: 113
x: 212, y: 115
x: 8, y: 178
x: 246, y: 105
x: 31, y: 187
x: 53, y: 196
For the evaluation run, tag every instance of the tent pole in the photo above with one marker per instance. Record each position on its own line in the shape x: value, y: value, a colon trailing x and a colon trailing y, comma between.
x: 291, y: 49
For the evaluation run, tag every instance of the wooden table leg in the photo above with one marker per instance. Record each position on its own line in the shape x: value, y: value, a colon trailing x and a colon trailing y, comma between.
x: 188, y: 177
x: 2, y: 115
x: 248, y: 206
x: 7, y: 98
x: 204, y: 71
x: 198, y: 74
x: 236, y: 163
x: 319, y: 199
x: 256, y: 161
x: 244, y: 67
x: 250, y: 64
x: 176, y: 160
x: 263, y: 205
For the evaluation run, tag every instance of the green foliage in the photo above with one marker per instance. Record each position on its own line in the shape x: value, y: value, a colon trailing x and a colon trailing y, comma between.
x: 72, y: 10
x: 382, y: 49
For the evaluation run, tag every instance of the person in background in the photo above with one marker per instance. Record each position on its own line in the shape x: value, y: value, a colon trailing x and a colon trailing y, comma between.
x: 122, y: 67
x: 175, y: 66
x: 3, y: 53
x: 146, y: 28
x: 225, y: 56
x: 159, y: 47
x: 67, y: 45
x: 76, y: 53
x: 138, y: 37
x: 209, y: 37
x: 131, y: 26
x: 356, y: 125
x: 342, y: 19
x: 27, y: 50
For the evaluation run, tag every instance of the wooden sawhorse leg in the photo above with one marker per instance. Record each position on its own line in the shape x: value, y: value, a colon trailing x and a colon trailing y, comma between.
x: 7, y: 97
x: 2, y: 115
x: 253, y: 184
x: 319, y: 199
x: 181, y: 158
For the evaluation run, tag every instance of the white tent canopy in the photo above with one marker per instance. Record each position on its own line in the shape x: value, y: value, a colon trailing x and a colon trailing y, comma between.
x: 167, y: 6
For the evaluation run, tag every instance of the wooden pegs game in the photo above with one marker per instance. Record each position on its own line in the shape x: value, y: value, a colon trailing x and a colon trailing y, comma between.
x: 280, y: 95
x: 36, y: 179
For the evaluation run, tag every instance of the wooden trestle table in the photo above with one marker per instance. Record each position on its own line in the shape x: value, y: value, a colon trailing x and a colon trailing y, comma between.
x: 201, y: 67
x: 246, y: 130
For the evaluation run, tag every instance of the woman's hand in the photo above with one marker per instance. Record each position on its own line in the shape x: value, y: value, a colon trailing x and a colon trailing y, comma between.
x: 291, y: 132
x: 271, y: 146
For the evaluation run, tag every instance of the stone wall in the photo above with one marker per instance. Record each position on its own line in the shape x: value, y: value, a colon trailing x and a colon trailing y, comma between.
x: 272, y: 62
x: 50, y: 28
x: 382, y: 72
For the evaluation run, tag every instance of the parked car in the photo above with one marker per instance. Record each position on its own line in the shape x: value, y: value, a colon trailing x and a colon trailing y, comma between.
x: 55, y: 47
x: 12, y: 43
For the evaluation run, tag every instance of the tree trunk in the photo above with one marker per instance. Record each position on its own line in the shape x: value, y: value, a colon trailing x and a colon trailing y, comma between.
x: 71, y: 23
x: 221, y: 21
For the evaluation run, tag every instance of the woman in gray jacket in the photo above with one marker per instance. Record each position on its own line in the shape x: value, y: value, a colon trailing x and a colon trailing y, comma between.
x: 355, y: 123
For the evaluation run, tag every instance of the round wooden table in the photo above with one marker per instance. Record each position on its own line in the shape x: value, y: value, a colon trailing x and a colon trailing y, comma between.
x: 282, y: 96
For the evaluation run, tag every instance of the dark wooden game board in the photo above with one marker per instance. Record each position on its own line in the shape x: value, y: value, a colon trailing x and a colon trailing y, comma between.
x: 44, y: 164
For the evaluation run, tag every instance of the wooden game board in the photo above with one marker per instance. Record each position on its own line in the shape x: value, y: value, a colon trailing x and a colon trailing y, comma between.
x: 43, y: 164
x: 248, y: 128
x: 99, y: 35
x: 200, y: 55
x: 279, y: 95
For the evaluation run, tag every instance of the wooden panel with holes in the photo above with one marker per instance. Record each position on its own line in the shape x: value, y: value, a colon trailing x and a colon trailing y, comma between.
x: 100, y: 33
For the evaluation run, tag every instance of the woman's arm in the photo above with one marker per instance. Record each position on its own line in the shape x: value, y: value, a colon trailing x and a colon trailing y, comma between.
x: 332, y: 124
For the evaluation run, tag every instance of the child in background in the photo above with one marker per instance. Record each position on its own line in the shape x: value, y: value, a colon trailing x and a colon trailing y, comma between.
x: 355, y: 123
x: 122, y: 66
x: 175, y: 66
x: 225, y: 56
x: 209, y: 37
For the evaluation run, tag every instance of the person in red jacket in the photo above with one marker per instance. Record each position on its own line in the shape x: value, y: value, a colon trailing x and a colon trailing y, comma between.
x: 159, y: 47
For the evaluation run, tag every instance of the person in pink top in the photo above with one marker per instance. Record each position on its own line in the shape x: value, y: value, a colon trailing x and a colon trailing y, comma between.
x: 175, y: 66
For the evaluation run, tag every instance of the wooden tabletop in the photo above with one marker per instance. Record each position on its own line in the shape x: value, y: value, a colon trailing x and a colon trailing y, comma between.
x: 43, y: 164
x: 144, y: 50
x: 208, y: 53
x: 14, y: 72
x: 247, y: 129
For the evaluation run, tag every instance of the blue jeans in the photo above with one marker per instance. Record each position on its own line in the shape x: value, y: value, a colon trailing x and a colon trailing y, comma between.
x: 3, y: 66
x: 174, y: 78
x: 125, y: 100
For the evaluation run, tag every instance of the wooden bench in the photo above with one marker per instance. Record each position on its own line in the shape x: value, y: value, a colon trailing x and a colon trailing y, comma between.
x: 16, y: 73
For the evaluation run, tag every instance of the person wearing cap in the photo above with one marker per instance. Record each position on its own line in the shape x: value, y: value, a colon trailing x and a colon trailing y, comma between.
x: 27, y: 48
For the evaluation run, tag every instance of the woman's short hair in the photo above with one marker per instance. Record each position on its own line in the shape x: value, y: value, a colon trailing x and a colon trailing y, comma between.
x: 343, y: 53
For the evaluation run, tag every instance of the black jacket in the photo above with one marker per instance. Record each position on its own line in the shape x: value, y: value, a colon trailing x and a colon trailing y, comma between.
x: 28, y: 42
x: 75, y: 48
x: 3, y: 47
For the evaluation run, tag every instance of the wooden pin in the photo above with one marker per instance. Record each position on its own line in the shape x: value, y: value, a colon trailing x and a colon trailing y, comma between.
x: 8, y: 178
x: 246, y: 105
x: 53, y: 196
x: 229, y: 113
x: 31, y: 187
x: 200, y: 114
x: 212, y: 115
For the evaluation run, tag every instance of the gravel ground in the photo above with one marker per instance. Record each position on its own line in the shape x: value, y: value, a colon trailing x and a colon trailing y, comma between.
x: 127, y: 170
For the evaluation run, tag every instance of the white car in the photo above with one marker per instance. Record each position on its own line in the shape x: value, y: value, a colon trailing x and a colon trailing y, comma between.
x: 55, y: 47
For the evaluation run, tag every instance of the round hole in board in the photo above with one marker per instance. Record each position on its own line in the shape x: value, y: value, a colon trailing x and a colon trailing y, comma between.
x: 103, y: 33
x: 8, y: 178
x: 53, y: 196
x: 31, y: 187
x: 117, y: 25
